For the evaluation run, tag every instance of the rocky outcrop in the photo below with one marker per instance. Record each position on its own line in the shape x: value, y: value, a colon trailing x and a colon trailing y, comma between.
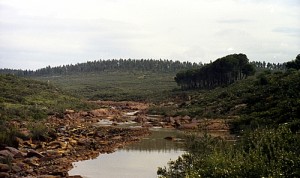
x: 74, y: 137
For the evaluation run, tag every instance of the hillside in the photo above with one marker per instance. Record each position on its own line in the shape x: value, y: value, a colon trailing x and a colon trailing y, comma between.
x: 265, y: 112
x: 23, y: 98
x: 117, y: 86
x: 268, y: 99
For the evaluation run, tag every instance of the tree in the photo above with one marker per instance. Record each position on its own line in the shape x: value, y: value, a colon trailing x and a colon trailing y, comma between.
x: 295, y: 64
x: 222, y: 71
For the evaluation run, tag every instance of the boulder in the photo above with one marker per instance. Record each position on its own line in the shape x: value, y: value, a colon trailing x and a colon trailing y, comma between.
x: 16, y: 168
x: 33, y: 153
x: 4, y: 168
x: 16, y: 153
x: 32, y: 162
x: 4, y: 175
x: 188, y: 126
x: 12, y: 150
x: 6, y: 153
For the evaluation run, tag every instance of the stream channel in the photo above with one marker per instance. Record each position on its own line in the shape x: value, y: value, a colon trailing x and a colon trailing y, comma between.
x: 140, y: 159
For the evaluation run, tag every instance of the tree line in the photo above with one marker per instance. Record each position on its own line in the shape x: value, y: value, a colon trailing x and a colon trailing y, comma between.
x: 145, y: 65
x: 223, y: 71
x: 152, y: 65
x: 268, y: 65
x: 295, y: 64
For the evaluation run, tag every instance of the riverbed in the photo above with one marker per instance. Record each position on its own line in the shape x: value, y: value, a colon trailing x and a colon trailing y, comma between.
x: 140, y: 159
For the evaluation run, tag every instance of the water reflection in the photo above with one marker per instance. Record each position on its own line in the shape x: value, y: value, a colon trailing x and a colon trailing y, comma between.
x: 157, y: 142
x: 136, y: 160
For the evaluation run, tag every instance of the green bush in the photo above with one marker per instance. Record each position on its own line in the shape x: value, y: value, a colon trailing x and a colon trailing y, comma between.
x: 261, y: 153
x: 38, y: 131
x: 8, y: 135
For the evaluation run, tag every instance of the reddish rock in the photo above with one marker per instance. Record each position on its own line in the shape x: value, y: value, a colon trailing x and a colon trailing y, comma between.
x: 189, y: 126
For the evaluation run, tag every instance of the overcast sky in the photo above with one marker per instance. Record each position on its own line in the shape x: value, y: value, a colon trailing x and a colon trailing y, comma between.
x: 38, y: 33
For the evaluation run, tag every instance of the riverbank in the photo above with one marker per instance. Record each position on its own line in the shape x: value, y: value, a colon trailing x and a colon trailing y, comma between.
x: 71, y: 137
x: 75, y: 136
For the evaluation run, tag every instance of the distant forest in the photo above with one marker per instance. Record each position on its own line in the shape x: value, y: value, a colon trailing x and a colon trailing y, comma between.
x: 145, y: 65
x: 126, y: 65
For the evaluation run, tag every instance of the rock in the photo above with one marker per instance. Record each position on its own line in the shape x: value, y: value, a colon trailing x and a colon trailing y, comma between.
x: 4, y: 168
x: 16, y: 168
x: 117, y: 137
x: 12, y: 150
x: 31, y: 161
x: 188, y: 126
x: 57, y: 144
x: 4, y: 175
x: 177, y: 123
x: 6, y: 153
x: 147, y: 125
x: 16, y: 153
x: 68, y: 116
x: 19, y: 140
x: 84, y: 114
x: 73, y: 142
x: 99, y: 112
x: 32, y: 153
x: 69, y: 111
x: 169, y: 138
x: 47, y: 176
x: 75, y: 176
x: 171, y: 120
x: 20, y: 155
x: 186, y: 118
x: 140, y: 119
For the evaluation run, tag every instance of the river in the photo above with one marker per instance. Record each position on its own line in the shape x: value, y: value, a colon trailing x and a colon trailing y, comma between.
x: 136, y: 160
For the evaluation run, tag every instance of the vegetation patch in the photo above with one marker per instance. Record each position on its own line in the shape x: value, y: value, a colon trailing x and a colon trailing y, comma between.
x: 261, y: 153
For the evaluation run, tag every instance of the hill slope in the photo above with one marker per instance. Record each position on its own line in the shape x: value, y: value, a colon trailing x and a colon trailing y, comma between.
x: 22, y: 98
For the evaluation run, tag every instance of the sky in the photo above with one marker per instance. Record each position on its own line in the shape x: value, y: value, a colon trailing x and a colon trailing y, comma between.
x: 38, y: 33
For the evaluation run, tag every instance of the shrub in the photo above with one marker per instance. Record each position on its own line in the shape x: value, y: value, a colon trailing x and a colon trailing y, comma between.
x: 261, y: 153
x: 38, y: 131
x: 8, y: 135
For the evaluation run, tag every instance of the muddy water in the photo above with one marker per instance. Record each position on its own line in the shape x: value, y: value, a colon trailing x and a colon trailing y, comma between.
x: 136, y: 160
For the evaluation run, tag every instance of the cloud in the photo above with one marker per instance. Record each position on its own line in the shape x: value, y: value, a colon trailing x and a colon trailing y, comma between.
x: 37, y: 33
x: 288, y: 30
x: 233, y: 21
